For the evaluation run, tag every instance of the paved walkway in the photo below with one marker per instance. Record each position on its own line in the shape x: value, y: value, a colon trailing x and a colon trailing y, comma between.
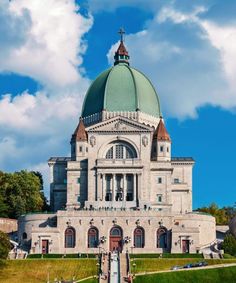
x: 123, y: 268
x: 114, y: 271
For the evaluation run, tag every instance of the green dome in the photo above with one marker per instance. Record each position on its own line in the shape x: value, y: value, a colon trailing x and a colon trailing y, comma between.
x: 121, y: 88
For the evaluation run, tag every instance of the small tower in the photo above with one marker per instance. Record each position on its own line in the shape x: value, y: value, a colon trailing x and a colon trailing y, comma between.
x: 121, y: 55
x: 161, y: 147
x: 79, y: 142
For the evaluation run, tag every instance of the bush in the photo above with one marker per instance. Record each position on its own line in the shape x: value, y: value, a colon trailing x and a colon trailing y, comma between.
x: 5, y: 245
x: 229, y: 245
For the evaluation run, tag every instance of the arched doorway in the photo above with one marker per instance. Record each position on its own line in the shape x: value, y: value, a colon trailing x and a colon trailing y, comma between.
x: 116, y: 243
x: 162, y: 238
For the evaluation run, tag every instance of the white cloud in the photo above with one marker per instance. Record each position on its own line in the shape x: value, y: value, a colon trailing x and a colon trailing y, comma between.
x: 53, y: 45
x: 190, y: 60
x: 43, y: 39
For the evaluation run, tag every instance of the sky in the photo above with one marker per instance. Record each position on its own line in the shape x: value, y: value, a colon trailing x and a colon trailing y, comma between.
x: 51, y: 51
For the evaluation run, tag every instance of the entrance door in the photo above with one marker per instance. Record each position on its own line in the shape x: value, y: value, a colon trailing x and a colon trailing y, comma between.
x: 185, y: 246
x: 44, y: 246
x: 116, y: 239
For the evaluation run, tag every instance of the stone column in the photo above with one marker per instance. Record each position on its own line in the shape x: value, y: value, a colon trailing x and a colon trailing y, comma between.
x: 113, y: 186
x: 103, y: 187
x: 139, y: 187
x: 125, y: 186
x: 99, y: 192
x: 134, y: 188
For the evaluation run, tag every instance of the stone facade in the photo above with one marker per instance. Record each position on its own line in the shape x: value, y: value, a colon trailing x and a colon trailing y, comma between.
x: 98, y: 187
x: 120, y: 188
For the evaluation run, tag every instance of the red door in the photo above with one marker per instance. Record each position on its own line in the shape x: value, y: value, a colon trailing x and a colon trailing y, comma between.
x: 185, y: 246
x: 115, y: 244
x: 116, y: 239
x: 44, y: 246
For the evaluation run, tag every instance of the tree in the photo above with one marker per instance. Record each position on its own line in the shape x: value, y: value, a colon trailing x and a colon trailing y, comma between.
x: 20, y: 193
x: 222, y: 215
x: 5, y: 245
x: 229, y: 245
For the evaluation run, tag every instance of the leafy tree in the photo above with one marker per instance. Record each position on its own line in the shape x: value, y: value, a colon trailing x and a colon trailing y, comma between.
x: 5, y: 245
x: 20, y: 193
x: 223, y: 215
x: 229, y: 245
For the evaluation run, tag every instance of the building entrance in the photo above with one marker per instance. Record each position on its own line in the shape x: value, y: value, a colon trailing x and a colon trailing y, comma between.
x: 185, y: 246
x: 116, y: 241
x: 44, y: 246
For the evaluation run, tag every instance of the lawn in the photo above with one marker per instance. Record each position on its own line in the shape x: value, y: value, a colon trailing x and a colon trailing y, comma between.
x: 217, y: 275
x: 155, y: 264
x: 36, y: 270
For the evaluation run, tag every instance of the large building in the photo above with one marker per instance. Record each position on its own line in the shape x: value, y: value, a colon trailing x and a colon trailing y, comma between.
x: 121, y: 188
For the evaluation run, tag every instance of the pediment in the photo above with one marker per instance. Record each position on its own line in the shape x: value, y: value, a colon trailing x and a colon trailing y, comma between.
x: 119, y: 124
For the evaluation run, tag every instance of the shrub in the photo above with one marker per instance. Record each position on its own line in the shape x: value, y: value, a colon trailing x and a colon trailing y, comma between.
x: 229, y: 245
x: 5, y: 245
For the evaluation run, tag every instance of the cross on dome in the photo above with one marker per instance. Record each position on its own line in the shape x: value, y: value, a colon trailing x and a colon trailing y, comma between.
x: 121, y: 55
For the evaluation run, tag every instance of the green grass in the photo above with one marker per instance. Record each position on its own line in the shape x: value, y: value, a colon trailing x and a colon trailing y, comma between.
x: 155, y: 264
x: 217, y: 275
x: 36, y: 270
x: 166, y: 255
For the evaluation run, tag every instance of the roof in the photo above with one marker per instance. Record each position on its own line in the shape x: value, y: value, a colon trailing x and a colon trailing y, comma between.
x: 80, y: 133
x: 121, y: 88
x: 161, y: 133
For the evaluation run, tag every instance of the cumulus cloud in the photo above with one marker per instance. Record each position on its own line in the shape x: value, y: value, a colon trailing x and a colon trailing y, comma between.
x: 189, y: 58
x: 49, y: 44
x: 44, y: 40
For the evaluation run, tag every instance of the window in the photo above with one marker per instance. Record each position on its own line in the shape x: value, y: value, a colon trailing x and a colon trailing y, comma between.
x: 167, y: 149
x: 78, y: 181
x: 86, y: 149
x: 70, y: 237
x: 109, y: 154
x: 139, y: 237
x: 116, y: 231
x: 80, y: 148
x: 159, y: 198
x: 120, y: 151
x: 93, y: 238
x: 176, y: 181
x: 162, y: 238
x: 159, y: 180
x: 161, y: 148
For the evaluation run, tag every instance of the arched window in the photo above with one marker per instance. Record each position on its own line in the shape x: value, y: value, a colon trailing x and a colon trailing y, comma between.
x: 93, y: 237
x: 121, y: 150
x: 70, y: 237
x: 116, y: 232
x: 162, y: 238
x: 139, y: 239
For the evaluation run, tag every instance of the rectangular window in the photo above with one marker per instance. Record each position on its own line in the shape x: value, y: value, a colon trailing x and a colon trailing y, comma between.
x: 161, y: 148
x: 159, y: 198
x: 78, y: 181
x: 80, y: 148
x: 159, y: 180
x: 176, y: 181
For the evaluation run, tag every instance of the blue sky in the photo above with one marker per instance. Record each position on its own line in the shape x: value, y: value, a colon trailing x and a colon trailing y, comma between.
x: 51, y: 51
